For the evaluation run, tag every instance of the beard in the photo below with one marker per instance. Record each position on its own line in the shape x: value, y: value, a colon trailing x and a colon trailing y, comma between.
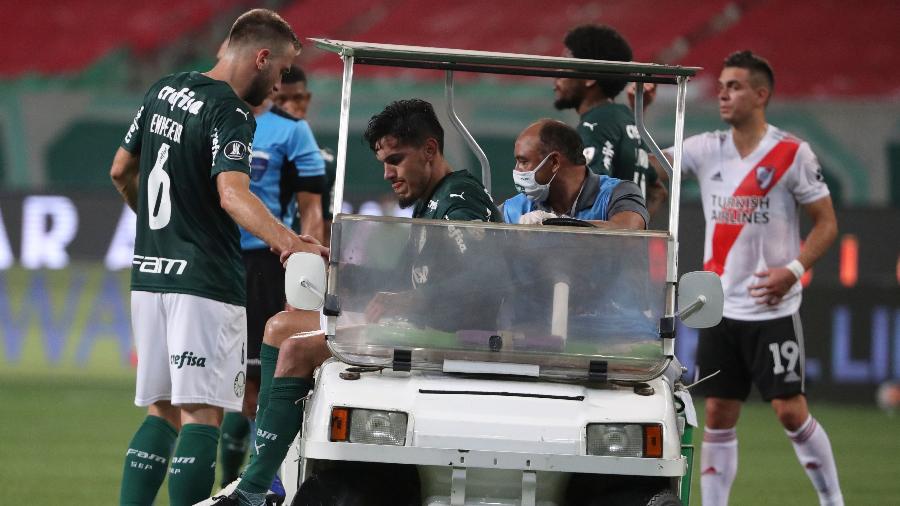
x: 259, y: 90
x: 563, y: 103
x: 417, y: 185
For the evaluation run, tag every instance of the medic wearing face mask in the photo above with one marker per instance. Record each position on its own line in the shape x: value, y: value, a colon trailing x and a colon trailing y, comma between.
x: 553, y: 181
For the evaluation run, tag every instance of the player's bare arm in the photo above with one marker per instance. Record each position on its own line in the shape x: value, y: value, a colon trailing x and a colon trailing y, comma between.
x: 657, y: 194
x: 249, y: 212
x: 823, y: 233
x: 387, y: 304
x: 775, y: 282
x: 311, y: 221
x: 625, y: 220
x: 125, y: 174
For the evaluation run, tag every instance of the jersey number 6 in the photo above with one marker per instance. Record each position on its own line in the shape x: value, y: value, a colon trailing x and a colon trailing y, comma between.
x: 158, y: 191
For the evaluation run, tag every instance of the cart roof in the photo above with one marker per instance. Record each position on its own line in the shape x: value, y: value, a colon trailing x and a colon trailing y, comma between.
x: 501, y: 63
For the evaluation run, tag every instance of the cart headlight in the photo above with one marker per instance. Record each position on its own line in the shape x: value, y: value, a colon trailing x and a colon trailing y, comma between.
x: 624, y: 440
x: 368, y: 426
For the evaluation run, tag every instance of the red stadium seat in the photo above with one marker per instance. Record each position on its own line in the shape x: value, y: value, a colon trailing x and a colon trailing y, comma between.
x: 50, y: 37
x: 465, y: 24
x: 816, y: 47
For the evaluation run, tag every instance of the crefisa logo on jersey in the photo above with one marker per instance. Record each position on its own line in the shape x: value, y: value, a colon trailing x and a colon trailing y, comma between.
x: 187, y: 358
x: 235, y: 150
x: 182, y: 99
x: 764, y: 176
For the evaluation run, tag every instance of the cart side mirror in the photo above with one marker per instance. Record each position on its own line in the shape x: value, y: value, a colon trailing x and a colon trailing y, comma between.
x: 700, y: 299
x: 304, y: 281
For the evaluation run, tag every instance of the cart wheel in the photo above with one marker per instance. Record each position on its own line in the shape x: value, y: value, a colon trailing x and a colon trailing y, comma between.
x: 664, y: 498
x: 642, y: 498
x: 361, y: 485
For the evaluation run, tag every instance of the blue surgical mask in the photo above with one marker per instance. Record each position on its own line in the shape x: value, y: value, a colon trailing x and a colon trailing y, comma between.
x: 526, y: 183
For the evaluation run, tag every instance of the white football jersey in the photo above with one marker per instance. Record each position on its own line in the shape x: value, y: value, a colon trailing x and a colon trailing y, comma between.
x: 750, y: 206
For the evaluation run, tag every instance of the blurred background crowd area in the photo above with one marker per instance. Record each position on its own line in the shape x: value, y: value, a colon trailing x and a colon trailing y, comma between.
x: 73, y: 73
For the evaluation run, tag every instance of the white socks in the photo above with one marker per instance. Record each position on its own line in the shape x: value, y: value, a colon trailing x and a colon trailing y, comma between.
x: 718, y: 465
x: 814, y: 453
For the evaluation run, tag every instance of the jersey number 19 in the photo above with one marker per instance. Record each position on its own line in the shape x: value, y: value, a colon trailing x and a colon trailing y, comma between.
x: 158, y: 191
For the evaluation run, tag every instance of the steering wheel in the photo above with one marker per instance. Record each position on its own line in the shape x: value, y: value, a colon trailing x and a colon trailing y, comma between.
x: 568, y: 222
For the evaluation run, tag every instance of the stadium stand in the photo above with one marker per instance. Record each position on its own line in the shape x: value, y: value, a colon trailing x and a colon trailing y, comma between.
x: 818, y: 48
x: 50, y: 37
x: 465, y: 24
x: 804, y: 39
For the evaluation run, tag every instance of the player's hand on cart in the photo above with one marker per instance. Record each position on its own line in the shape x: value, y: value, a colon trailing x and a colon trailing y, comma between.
x: 773, y: 284
x: 535, y: 217
x: 304, y: 244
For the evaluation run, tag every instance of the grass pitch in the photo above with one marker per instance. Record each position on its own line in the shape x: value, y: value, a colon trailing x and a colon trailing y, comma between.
x: 65, y: 433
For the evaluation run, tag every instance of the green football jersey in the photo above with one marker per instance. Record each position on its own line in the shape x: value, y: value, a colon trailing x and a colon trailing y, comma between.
x: 189, y: 129
x: 440, y: 255
x: 459, y: 196
x: 613, y: 146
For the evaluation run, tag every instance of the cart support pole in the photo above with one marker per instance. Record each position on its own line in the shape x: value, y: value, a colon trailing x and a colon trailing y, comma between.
x: 470, y: 141
x: 675, y: 177
x: 343, y: 129
x: 674, y: 172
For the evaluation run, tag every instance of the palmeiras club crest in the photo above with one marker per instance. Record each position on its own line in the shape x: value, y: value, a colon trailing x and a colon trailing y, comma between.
x: 764, y: 176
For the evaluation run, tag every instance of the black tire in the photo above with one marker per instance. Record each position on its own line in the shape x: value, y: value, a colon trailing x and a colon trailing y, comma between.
x: 664, y: 498
x: 619, y: 490
x: 643, y: 498
x: 356, y: 484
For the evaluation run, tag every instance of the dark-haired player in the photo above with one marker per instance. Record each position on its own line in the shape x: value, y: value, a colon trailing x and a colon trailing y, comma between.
x: 184, y: 168
x: 753, y: 179
x: 409, y: 141
x: 612, y: 143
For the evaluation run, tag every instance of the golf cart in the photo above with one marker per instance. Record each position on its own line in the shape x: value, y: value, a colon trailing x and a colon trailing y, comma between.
x: 535, y: 367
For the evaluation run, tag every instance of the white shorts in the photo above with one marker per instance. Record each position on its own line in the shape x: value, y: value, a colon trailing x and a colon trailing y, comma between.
x: 191, y: 350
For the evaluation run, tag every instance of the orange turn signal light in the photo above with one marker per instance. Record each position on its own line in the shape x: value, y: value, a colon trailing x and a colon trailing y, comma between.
x: 653, y: 446
x: 340, y: 424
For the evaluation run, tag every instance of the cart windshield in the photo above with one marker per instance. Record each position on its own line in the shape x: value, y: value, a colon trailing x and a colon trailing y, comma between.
x: 553, y: 298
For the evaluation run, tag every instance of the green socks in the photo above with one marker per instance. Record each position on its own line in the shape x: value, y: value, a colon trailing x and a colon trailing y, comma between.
x: 193, y: 469
x: 233, y: 449
x: 146, y: 461
x: 276, y: 430
x: 268, y: 359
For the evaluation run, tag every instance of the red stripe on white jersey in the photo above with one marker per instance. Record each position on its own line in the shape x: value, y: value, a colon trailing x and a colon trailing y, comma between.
x: 778, y: 158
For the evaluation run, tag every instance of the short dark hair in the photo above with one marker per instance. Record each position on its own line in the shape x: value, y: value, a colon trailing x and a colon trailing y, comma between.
x: 262, y: 25
x: 558, y: 136
x: 757, y: 66
x: 410, y: 121
x: 600, y: 42
x: 294, y: 75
